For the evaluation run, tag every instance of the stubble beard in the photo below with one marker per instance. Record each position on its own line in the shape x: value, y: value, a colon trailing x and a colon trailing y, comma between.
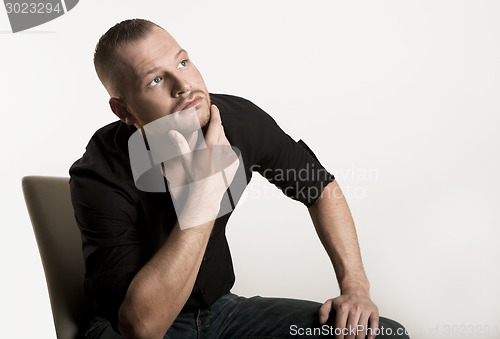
x: 205, y: 115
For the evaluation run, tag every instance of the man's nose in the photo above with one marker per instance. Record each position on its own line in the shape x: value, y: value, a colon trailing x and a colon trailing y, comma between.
x: 180, y: 86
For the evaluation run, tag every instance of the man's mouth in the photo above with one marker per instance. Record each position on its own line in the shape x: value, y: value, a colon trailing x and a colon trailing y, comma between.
x: 196, y: 100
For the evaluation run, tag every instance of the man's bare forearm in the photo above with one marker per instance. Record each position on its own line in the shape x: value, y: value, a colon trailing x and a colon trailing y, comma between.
x: 335, y: 227
x: 162, y: 286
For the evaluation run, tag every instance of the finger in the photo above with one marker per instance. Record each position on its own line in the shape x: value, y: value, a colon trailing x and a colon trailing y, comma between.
x: 352, y: 323
x: 222, y: 137
x: 324, y: 311
x: 214, y: 126
x: 374, y: 322
x: 192, y: 139
x: 342, y: 313
x: 363, y: 321
x: 183, y: 148
x: 179, y: 140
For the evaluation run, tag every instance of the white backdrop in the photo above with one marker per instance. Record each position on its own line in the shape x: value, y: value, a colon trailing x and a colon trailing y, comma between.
x: 398, y: 99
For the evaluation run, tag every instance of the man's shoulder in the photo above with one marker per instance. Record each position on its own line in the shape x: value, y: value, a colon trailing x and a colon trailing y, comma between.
x: 232, y: 103
x: 229, y: 98
x: 107, y: 149
x: 114, y: 133
x: 239, y: 111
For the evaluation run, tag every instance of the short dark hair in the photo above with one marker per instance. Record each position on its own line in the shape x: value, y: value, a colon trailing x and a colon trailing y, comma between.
x: 122, y: 33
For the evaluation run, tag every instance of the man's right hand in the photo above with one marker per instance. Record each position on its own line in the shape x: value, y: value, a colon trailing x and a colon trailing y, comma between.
x: 198, y: 178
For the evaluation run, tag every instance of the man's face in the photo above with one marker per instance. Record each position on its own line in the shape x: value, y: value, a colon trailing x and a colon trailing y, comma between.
x: 159, y: 79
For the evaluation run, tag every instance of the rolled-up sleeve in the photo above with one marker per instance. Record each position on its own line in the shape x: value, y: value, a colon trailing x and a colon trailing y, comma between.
x: 290, y: 165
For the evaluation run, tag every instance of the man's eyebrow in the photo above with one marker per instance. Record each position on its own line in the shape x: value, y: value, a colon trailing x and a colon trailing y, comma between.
x: 155, y: 69
x: 182, y: 50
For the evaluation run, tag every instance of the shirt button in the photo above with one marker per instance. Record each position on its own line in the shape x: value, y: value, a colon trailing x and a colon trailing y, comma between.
x: 204, y: 258
x: 204, y: 291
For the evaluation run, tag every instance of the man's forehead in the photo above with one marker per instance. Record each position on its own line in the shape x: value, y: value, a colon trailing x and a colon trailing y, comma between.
x: 139, y: 56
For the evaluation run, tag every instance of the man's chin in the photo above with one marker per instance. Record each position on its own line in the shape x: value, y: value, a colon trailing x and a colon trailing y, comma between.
x: 203, y: 111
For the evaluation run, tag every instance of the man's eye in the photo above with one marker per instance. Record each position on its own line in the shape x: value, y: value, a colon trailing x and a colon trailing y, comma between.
x: 183, y: 63
x: 154, y: 82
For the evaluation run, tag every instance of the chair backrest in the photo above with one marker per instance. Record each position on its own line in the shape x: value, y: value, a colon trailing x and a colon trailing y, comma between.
x: 59, y: 242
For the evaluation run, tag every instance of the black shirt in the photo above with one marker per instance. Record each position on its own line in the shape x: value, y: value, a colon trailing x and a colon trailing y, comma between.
x: 122, y: 227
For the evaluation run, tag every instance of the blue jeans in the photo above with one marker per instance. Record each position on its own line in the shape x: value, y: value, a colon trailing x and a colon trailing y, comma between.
x: 232, y: 316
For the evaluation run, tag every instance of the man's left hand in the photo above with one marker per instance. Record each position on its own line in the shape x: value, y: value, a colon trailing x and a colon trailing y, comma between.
x: 351, y: 310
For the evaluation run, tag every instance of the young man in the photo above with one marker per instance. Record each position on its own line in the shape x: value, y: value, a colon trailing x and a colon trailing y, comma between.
x: 158, y: 269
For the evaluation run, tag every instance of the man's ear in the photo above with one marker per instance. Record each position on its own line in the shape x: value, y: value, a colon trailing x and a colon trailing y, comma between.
x: 119, y: 107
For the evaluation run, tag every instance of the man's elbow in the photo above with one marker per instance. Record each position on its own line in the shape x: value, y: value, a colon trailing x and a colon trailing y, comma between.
x: 132, y: 324
x: 131, y: 330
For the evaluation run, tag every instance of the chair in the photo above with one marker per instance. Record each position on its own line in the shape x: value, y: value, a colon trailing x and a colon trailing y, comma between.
x: 59, y: 242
